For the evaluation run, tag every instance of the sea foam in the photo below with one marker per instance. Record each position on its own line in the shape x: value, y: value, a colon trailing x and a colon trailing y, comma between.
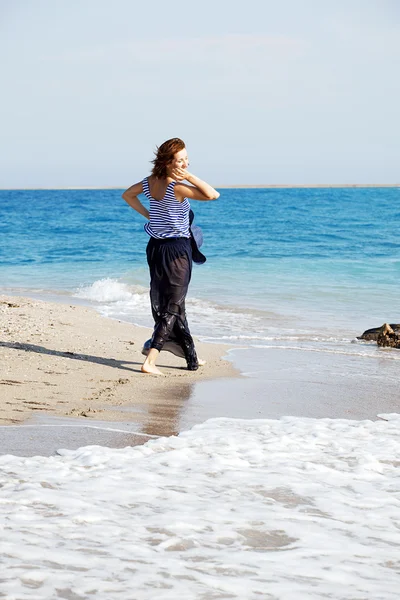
x: 106, y: 290
x: 120, y: 300
x: 295, y: 509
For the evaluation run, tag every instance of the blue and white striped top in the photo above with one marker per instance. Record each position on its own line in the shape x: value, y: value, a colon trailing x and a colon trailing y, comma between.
x: 168, y: 217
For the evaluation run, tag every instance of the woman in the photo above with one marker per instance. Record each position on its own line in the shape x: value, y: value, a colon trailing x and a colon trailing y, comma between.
x: 169, y: 251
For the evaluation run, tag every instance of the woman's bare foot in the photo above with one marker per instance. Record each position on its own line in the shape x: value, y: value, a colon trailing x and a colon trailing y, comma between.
x: 151, y: 369
x: 201, y: 362
x: 149, y: 365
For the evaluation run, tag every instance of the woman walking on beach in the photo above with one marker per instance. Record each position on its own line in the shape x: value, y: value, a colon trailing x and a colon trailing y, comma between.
x: 169, y: 250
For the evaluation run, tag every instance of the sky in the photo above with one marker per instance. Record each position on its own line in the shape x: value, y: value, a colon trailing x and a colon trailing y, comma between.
x: 261, y: 91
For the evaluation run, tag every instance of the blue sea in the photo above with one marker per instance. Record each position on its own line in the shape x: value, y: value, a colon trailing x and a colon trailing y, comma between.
x: 281, y: 263
x: 272, y: 498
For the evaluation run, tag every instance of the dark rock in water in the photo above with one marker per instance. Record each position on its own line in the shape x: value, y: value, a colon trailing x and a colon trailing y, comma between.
x: 372, y: 334
x: 387, y: 337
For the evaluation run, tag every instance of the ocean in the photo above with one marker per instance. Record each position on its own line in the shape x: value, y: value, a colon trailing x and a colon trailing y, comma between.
x: 234, y: 507
x: 282, y: 263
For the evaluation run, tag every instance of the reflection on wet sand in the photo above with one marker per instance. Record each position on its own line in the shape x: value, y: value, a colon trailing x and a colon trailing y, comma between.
x: 164, y: 411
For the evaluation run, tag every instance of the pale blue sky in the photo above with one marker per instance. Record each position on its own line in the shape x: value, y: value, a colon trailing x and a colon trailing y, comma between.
x: 288, y: 91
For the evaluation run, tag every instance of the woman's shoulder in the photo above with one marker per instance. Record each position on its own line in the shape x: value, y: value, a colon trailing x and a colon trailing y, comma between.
x: 165, y: 180
x: 159, y: 183
x: 180, y: 190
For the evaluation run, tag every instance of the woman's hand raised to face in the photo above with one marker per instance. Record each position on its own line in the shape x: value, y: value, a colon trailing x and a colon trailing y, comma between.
x: 180, y: 174
x: 198, y: 190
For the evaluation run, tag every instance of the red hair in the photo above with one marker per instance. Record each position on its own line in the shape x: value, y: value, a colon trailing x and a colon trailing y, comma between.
x: 164, y: 155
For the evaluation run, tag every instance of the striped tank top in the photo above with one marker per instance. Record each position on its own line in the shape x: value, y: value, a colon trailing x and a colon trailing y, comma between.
x: 168, y: 217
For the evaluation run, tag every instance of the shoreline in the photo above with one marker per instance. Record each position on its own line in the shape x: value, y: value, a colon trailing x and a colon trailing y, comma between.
x: 70, y: 378
x: 67, y: 360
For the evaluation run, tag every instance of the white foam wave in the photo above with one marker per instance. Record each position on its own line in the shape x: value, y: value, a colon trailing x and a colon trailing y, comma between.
x: 107, y: 290
x: 119, y: 300
x: 233, y: 508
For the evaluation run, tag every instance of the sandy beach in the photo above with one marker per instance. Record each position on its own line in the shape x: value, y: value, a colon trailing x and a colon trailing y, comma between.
x: 69, y: 361
x: 70, y: 377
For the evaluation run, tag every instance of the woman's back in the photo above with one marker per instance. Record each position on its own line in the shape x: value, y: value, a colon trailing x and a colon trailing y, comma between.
x: 168, y: 216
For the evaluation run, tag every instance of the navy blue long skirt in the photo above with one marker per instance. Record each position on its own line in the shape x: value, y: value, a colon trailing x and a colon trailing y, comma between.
x: 170, y: 264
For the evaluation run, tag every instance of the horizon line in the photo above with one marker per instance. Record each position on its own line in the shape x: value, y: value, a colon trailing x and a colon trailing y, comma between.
x: 233, y: 186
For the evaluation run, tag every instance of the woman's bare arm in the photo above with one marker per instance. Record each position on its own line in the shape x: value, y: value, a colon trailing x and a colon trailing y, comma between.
x: 131, y: 197
x: 199, y: 190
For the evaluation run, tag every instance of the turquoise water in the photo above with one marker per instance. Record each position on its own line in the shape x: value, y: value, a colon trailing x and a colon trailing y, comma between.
x: 290, y: 260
